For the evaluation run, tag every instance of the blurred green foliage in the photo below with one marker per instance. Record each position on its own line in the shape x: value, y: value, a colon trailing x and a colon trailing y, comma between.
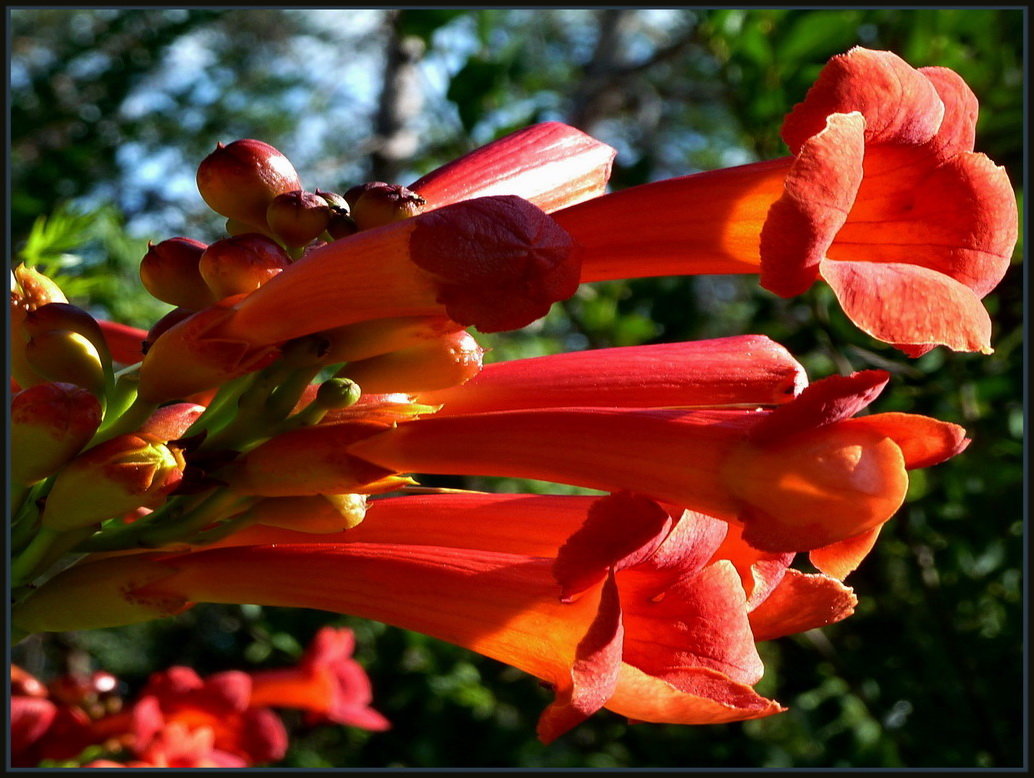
x: 108, y: 114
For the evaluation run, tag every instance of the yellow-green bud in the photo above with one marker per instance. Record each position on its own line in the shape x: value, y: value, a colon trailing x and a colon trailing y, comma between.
x: 115, y: 477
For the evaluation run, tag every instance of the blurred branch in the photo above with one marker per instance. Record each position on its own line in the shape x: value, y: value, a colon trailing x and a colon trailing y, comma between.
x: 395, y: 140
x: 605, y: 90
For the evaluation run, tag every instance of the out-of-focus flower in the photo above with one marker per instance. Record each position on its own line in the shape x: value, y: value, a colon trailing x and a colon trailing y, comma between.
x: 220, y: 703
x: 883, y: 198
x: 327, y: 683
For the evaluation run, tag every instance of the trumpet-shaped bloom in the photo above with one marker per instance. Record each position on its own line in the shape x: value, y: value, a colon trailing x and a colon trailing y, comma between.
x: 551, y: 165
x: 327, y: 683
x: 797, y: 478
x: 632, y: 612
x: 883, y: 198
x: 496, y: 263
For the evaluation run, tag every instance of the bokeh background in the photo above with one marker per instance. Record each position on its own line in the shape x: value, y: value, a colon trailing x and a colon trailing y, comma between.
x: 112, y: 110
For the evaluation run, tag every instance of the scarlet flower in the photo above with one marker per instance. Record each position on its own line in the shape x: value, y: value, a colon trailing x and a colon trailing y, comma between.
x: 883, y: 198
x: 797, y: 478
x: 327, y: 683
x: 633, y: 612
x: 220, y: 703
x: 497, y: 263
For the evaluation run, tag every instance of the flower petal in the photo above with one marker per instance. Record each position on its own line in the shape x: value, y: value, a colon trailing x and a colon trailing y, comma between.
x: 819, y: 192
x: 900, y: 104
x: 908, y: 304
x: 801, y: 602
x: 620, y: 531
x: 830, y: 400
x: 842, y: 558
x: 594, y: 673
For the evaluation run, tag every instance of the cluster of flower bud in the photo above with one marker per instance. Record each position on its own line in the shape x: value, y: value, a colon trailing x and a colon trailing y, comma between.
x: 271, y: 220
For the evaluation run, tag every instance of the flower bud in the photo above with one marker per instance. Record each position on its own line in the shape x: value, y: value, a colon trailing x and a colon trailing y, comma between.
x: 318, y: 514
x: 241, y: 264
x: 65, y: 356
x: 169, y: 271
x: 376, y: 204
x: 298, y: 217
x: 64, y: 316
x: 170, y: 422
x: 338, y: 393
x: 341, y: 225
x: 447, y: 361
x: 240, y: 180
x: 30, y: 290
x: 337, y: 202
x: 112, y: 478
x: 50, y: 423
x: 168, y: 321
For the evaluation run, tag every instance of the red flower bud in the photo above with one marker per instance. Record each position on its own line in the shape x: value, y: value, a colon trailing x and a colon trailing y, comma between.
x: 240, y: 180
x: 50, y: 423
x: 169, y: 271
x: 112, y: 478
x: 241, y: 264
x: 30, y: 289
x: 377, y: 204
x: 436, y: 364
x: 298, y: 217
x: 168, y: 321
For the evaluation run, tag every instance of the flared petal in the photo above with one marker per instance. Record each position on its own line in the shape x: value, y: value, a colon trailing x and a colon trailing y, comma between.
x: 843, y: 558
x: 819, y: 191
x: 802, y: 602
x: 594, y: 673
x: 899, y: 103
x: 620, y: 531
x: 551, y: 165
x: 899, y: 303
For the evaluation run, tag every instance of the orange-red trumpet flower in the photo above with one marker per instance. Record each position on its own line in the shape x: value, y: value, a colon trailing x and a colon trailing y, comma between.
x: 633, y: 612
x: 883, y: 198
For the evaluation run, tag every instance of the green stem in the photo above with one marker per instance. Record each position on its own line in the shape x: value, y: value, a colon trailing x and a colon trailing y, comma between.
x: 176, y: 522
x: 130, y: 420
x: 219, y: 505
x: 45, y: 549
x: 222, y: 405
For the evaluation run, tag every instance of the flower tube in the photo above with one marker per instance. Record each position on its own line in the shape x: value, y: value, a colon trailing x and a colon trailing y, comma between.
x: 883, y: 198
x: 796, y: 478
x: 743, y: 370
